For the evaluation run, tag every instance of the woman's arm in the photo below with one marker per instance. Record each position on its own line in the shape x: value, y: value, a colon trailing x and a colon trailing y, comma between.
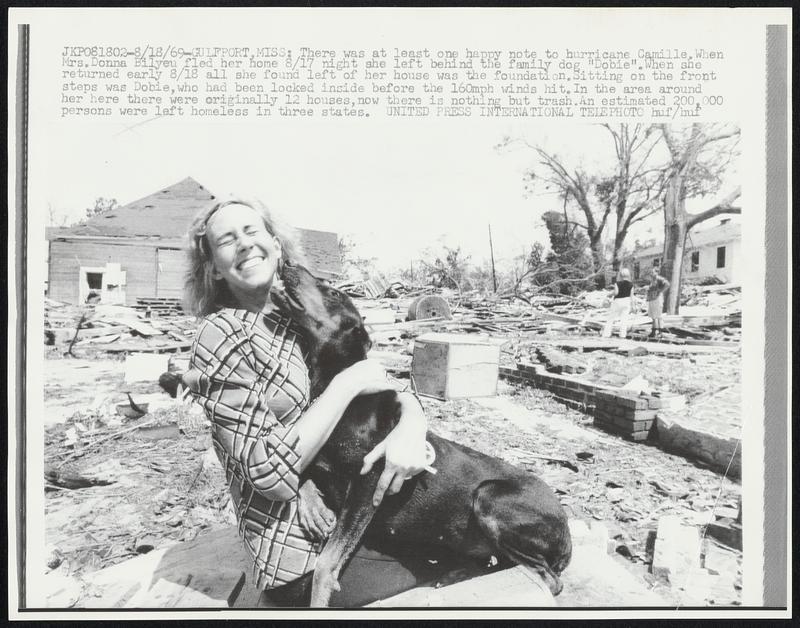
x: 231, y: 376
x: 316, y: 424
x: 403, y: 448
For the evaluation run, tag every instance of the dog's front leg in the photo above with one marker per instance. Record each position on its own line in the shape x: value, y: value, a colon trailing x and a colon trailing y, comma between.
x: 354, y: 517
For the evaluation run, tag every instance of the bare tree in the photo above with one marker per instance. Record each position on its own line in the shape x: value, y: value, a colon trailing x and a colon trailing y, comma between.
x: 449, y: 270
x: 698, y: 159
x: 630, y: 193
x: 634, y: 191
x: 101, y: 205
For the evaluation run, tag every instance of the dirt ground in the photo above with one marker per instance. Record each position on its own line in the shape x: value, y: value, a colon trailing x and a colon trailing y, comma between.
x: 164, y: 483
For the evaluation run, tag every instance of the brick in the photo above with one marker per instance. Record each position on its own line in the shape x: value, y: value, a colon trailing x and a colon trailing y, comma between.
x: 619, y: 431
x: 606, y: 396
x: 645, y: 415
x: 655, y: 403
x: 632, y: 426
x: 635, y: 403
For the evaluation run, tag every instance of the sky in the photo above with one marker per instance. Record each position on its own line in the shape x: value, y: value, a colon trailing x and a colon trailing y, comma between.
x: 398, y: 191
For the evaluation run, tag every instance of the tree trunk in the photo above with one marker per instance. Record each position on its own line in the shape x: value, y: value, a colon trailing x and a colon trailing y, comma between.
x: 672, y: 263
x: 598, y: 261
x: 619, y: 239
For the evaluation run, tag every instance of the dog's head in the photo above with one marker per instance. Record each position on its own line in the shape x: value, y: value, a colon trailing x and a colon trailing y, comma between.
x: 331, y: 324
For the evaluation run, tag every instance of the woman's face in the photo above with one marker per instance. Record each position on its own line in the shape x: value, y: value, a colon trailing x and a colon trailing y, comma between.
x: 244, y: 253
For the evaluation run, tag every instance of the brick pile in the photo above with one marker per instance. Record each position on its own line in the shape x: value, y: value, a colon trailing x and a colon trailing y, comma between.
x: 627, y: 414
x: 557, y: 361
x: 621, y: 412
x: 572, y: 391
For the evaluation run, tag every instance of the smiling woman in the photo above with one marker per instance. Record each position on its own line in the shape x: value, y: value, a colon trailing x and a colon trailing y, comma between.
x: 207, y: 288
x: 248, y: 372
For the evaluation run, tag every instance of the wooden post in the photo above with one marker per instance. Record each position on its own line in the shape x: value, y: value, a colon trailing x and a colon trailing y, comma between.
x: 491, y: 252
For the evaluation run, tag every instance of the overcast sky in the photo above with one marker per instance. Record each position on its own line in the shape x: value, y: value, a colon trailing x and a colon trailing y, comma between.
x: 396, y: 189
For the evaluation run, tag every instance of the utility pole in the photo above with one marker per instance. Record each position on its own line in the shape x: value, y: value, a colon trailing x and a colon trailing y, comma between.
x: 491, y: 252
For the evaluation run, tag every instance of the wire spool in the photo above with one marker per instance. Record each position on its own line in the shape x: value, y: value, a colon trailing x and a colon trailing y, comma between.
x: 429, y: 306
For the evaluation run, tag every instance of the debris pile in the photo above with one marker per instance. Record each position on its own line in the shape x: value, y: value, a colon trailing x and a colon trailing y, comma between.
x: 134, y: 468
x: 116, y: 329
x: 117, y: 487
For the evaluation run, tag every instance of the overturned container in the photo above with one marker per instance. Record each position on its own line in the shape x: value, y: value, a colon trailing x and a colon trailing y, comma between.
x: 456, y: 366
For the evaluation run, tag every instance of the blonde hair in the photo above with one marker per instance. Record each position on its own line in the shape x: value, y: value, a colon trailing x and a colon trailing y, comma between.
x: 203, y: 294
x: 625, y: 274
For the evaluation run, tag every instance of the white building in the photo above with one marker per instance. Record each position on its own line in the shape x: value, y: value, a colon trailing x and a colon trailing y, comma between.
x: 715, y: 251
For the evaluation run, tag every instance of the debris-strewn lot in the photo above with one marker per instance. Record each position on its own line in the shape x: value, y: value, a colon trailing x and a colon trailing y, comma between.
x: 129, y: 468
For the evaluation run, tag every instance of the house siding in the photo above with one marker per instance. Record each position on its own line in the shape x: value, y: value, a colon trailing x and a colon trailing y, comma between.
x: 67, y: 257
x: 145, y: 238
x: 154, y: 270
x: 707, y: 266
x: 171, y: 273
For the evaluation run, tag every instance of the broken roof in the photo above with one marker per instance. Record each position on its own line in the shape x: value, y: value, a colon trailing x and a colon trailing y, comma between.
x: 166, y: 214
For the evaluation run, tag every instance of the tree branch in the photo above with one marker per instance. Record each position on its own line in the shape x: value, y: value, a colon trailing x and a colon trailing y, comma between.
x: 723, y: 207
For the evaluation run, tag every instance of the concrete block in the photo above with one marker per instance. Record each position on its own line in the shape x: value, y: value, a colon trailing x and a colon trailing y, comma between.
x: 677, y: 549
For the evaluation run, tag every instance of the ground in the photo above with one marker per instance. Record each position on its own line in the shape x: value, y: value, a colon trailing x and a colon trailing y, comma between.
x: 164, y: 483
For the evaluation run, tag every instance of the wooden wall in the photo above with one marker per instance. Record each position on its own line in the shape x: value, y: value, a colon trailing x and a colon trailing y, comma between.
x: 153, y: 270
x: 67, y: 257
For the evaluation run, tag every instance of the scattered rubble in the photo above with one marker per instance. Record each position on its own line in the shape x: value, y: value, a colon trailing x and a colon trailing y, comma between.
x: 95, y: 328
x: 129, y: 466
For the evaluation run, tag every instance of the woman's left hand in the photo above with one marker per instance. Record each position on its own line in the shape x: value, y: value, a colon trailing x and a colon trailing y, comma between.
x: 404, y: 450
x: 312, y: 513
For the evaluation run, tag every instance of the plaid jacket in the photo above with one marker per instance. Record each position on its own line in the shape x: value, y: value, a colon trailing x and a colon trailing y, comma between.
x: 249, y: 375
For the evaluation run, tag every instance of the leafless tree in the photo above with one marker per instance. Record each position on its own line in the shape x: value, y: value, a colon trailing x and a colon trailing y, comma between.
x: 629, y: 193
x: 699, y: 156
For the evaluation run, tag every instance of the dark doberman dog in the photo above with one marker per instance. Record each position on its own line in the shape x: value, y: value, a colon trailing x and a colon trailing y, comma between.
x: 474, y: 506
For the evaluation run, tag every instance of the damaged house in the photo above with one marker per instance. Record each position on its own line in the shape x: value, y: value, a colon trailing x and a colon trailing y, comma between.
x: 134, y: 253
x: 712, y: 252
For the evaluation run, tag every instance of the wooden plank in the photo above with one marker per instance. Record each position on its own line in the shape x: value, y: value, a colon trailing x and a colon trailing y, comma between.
x: 208, y: 572
x: 92, y: 332
x: 141, y: 328
x: 142, y: 348
x: 100, y: 339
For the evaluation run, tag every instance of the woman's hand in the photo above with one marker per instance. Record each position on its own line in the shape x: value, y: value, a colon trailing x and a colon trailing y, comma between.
x: 312, y: 513
x: 364, y: 377
x: 404, y: 450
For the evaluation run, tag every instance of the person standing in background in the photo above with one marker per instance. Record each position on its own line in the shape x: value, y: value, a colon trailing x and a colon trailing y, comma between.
x: 655, y: 300
x: 620, y: 304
